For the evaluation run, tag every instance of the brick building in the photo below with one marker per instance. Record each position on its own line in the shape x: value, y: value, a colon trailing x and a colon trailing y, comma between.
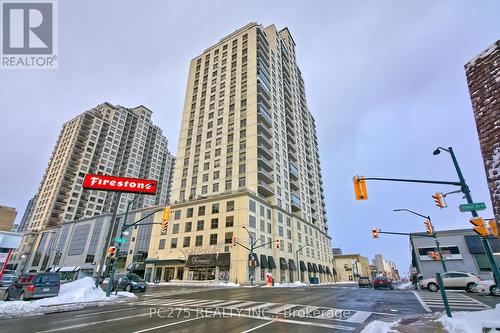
x: 483, y: 79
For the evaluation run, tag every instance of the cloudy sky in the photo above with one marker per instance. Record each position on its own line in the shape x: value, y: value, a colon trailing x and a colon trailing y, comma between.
x: 384, y: 79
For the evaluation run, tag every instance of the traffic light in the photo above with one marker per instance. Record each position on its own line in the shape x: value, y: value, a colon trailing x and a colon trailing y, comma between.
x: 278, y: 243
x: 493, y: 228
x: 112, y: 252
x: 375, y: 233
x: 479, y: 228
x: 439, y: 200
x: 360, y: 188
x: 233, y: 241
x: 434, y: 255
x: 165, y: 218
x: 428, y: 227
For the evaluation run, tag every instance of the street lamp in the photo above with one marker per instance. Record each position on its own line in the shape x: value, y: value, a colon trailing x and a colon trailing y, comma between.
x: 433, y: 233
x: 251, y: 243
x: 298, y: 263
x: 468, y: 197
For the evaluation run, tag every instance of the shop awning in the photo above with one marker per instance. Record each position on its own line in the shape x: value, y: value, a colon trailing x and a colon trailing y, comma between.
x: 202, y: 260
x: 309, y: 267
x: 291, y: 265
x: 315, y: 268
x: 270, y: 261
x: 321, y: 269
x: 166, y: 262
x: 283, y: 265
x: 263, y: 261
x: 303, y: 267
x: 223, y: 259
x: 328, y: 271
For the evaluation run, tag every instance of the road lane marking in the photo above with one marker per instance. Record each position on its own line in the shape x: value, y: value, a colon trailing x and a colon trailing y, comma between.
x: 167, y: 325
x: 424, y: 305
x: 257, y: 327
x: 359, y: 317
x: 101, y: 312
x: 258, y: 307
x: 281, y: 308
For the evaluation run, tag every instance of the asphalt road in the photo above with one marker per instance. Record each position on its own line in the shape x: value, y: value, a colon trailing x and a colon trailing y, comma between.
x: 174, y: 309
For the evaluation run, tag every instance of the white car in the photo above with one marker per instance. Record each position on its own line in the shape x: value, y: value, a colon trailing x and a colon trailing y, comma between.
x: 452, y: 280
x: 487, y: 287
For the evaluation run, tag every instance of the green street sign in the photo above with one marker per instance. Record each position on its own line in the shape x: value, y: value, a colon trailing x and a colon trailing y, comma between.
x: 120, y: 240
x: 472, y: 206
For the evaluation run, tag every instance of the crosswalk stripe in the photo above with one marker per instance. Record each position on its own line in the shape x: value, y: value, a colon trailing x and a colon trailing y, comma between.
x: 237, y: 306
x: 261, y: 306
x: 281, y: 308
x: 359, y: 317
x: 207, y: 303
x: 221, y: 303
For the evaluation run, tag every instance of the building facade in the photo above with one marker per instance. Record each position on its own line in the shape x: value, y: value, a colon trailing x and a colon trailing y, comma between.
x: 27, y: 215
x: 350, y: 267
x: 81, y: 243
x: 461, y: 249
x: 483, y: 78
x: 247, y: 167
x: 7, y: 218
x: 107, y: 139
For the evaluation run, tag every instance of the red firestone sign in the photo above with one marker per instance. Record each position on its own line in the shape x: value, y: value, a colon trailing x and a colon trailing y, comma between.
x: 121, y: 184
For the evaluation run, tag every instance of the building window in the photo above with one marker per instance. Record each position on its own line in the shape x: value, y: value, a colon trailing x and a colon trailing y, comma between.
x: 177, y: 215
x: 213, y: 239
x: 89, y: 258
x: 199, y: 225
x: 201, y: 211
x: 199, y: 240
x: 189, y: 212
x: 251, y: 206
x: 161, y: 246
x: 78, y: 240
x: 173, y: 243
x: 229, y: 206
x: 215, y: 208
x: 175, y: 228
x: 229, y: 221
x: 188, y: 226
x: 214, y: 224
x: 186, y: 242
x: 251, y: 221
x: 228, y: 238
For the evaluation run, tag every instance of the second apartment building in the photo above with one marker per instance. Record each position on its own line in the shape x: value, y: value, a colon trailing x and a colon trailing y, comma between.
x: 247, y: 167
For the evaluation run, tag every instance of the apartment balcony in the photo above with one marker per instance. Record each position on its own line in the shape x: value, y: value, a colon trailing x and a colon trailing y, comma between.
x: 264, y: 163
x: 288, y: 104
x: 294, y: 184
x: 291, y: 138
x: 264, y: 86
x: 292, y: 157
x: 265, y: 176
x: 265, y: 189
x: 264, y: 151
x: 295, y: 202
x: 291, y: 148
x: 261, y: 129
x: 263, y: 140
x: 294, y: 172
x: 290, y: 129
x: 264, y: 115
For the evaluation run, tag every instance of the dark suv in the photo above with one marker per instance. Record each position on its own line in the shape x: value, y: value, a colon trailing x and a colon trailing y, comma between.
x: 33, y: 285
x: 129, y: 282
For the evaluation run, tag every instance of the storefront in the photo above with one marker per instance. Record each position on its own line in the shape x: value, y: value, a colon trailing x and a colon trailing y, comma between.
x: 164, y: 270
x: 292, y: 268
x: 283, y: 270
x: 303, y: 269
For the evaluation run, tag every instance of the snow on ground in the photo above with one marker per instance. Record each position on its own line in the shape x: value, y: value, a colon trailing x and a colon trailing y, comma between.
x: 405, y: 285
x: 378, y: 326
x: 72, y: 295
x: 465, y: 322
x: 295, y: 284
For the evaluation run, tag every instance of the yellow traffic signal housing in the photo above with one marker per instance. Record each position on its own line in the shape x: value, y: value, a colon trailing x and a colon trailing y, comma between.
x: 112, y: 251
x: 278, y: 243
x: 439, y: 200
x: 428, y: 227
x: 493, y: 228
x: 479, y: 228
x: 360, y: 188
x: 165, y: 218
x: 375, y: 233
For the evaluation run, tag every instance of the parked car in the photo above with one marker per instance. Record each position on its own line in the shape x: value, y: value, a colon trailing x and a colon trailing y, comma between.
x: 487, y: 287
x: 452, y: 280
x: 32, y: 286
x: 129, y: 282
x: 7, y: 279
x: 382, y: 282
x: 364, y: 281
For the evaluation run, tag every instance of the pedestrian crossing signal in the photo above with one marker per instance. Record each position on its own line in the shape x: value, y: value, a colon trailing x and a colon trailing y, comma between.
x: 375, y: 233
x: 112, y: 252
x: 360, y: 188
x: 233, y: 241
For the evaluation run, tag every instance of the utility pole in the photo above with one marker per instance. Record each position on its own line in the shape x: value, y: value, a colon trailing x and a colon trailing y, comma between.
x: 298, y: 263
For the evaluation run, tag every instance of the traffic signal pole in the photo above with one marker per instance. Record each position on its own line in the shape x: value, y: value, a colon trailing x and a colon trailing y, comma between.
x: 468, y: 197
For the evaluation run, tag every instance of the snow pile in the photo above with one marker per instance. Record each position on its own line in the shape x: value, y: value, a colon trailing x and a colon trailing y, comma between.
x: 72, y: 295
x: 378, y: 326
x: 465, y: 322
x: 405, y: 285
x: 295, y: 284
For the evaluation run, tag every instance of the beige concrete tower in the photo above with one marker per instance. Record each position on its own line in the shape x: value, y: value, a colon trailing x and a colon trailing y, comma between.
x: 247, y: 166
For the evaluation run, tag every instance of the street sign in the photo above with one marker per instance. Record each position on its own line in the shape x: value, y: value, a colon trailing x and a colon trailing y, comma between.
x: 120, y: 240
x: 472, y: 206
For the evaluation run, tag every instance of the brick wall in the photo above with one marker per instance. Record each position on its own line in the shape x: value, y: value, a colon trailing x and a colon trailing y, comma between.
x: 483, y: 79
